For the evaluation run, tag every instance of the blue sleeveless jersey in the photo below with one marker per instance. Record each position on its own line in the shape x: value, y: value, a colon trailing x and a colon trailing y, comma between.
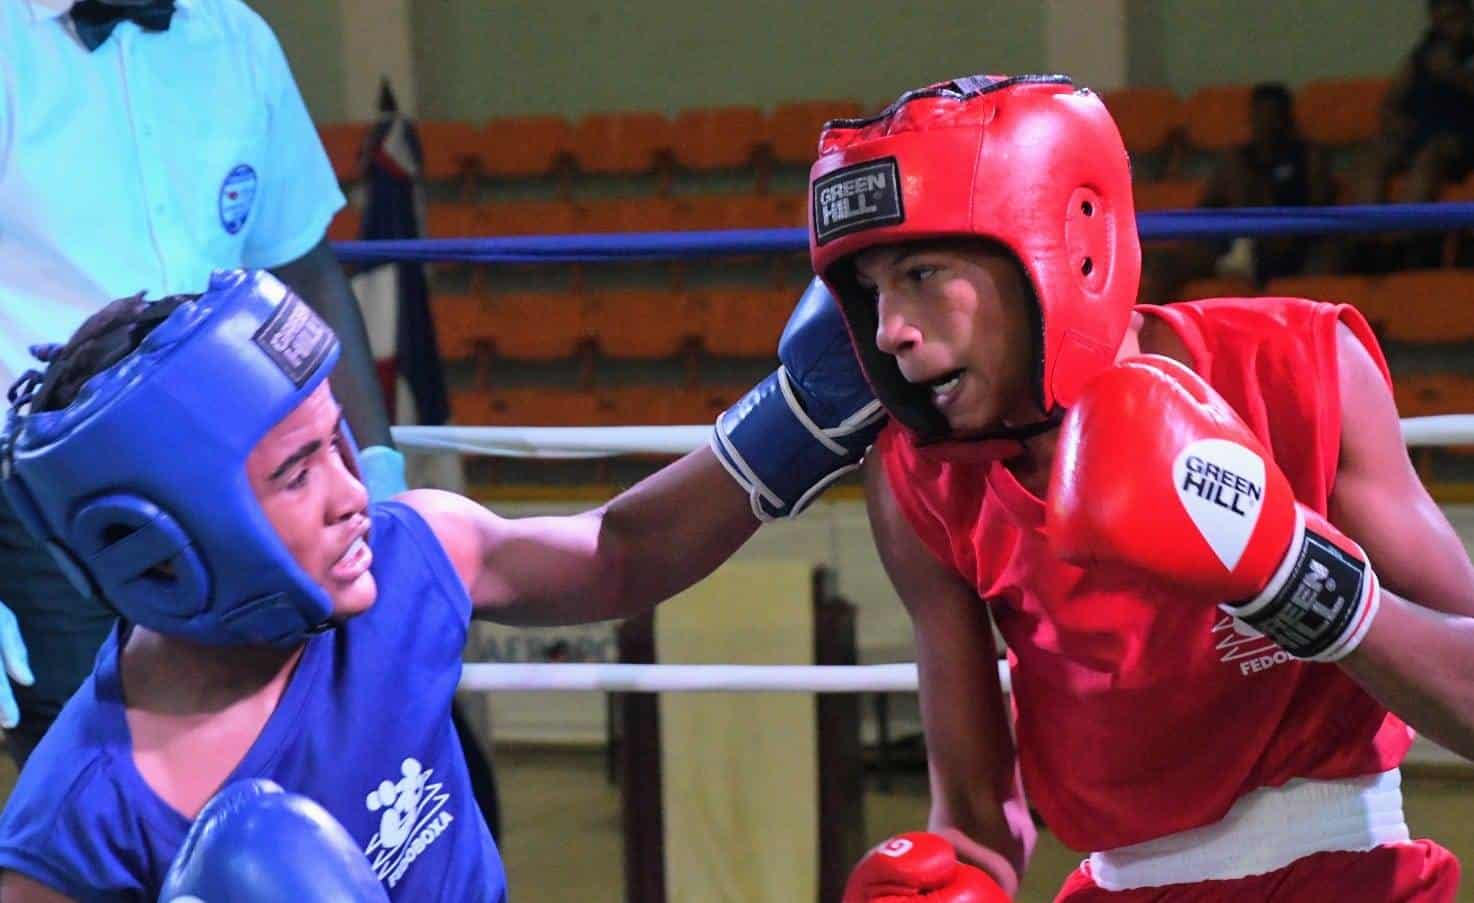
x: 363, y: 728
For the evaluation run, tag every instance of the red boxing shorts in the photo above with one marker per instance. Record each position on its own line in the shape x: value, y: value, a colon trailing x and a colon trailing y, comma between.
x: 1418, y: 871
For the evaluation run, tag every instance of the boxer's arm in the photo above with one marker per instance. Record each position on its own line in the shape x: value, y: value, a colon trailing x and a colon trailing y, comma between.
x: 977, y: 795
x: 647, y: 544
x: 17, y: 888
x: 1418, y: 657
x: 318, y: 278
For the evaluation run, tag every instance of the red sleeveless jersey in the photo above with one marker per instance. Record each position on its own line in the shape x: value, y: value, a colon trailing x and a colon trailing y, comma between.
x: 1140, y: 712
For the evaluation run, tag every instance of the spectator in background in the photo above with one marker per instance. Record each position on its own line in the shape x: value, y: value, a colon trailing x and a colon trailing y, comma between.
x: 1277, y: 168
x: 1428, y: 115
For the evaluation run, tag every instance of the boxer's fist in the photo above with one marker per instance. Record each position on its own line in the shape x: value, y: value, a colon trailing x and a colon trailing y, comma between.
x: 1156, y: 471
x: 919, y: 867
x: 255, y: 843
x: 809, y: 422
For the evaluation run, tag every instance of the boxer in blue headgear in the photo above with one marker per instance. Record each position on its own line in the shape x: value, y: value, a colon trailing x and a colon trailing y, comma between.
x: 186, y: 460
x: 178, y: 542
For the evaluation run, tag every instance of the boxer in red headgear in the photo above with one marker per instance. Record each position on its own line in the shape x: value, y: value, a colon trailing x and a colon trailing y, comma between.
x: 1142, y: 500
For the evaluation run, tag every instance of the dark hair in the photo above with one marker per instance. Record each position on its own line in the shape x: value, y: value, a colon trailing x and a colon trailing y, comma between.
x: 105, y: 338
x: 1434, y: 4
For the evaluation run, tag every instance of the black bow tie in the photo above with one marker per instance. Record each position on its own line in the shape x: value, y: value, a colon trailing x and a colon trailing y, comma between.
x: 95, y: 20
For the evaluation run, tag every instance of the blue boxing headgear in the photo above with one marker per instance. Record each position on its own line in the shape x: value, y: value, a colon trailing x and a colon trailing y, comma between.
x: 138, y: 488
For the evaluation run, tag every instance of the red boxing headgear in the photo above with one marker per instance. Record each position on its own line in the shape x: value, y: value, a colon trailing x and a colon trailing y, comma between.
x: 1030, y: 162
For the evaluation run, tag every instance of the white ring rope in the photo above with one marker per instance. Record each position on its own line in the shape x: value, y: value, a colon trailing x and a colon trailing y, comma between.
x: 539, y: 678
x: 610, y: 441
x: 603, y: 442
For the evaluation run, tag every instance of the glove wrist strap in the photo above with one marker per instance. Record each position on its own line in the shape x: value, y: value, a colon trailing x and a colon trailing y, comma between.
x: 1320, y: 602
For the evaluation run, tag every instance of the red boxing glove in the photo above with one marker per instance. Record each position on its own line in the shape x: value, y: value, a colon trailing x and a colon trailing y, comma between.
x: 1155, y: 470
x: 919, y: 867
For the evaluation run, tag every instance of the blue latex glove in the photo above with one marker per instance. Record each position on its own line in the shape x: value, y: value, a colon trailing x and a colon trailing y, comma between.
x: 17, y: 666
x: 254, y: 843
x: 808, y: 423
x: 383, y: 472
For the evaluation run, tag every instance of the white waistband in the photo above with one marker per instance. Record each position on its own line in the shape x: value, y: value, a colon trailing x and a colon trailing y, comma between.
x: 1266, y: 829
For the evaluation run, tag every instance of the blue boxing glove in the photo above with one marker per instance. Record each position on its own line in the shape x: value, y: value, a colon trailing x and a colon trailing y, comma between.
x: 808, y: 423
x: 383, y: 472
x: 17, y: 666
x: 254, y: 843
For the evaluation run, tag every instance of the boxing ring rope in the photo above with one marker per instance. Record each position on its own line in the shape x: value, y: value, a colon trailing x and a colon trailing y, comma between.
x: 565, y: 442
x: 636, y: 246
x: 604, y: 442
x: 608, y: 678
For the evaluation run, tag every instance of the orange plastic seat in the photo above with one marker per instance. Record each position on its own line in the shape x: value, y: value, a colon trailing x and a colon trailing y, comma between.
x: 1362, y: 292
x: 649, y: 215
x: 718, y: 137
x: 1458, y: 192
x: 346, y: 224
x: 450, y: 148
x: 536, y: 326
x: 1168, y: 194
x: 1216, y: 287
x: 517, y: 146
x: 599, y: 216
x: 538, y: 406
x: 449, y: 220
x: 1217, y: 117
x: 745, y: 322
x: 1433, y: 394
x: 1340, y: 111
x: 625, y: 143
x: 793, y: 128
x: 470, y: 407
x: 765, y: 211
x: 1147, y: 117
x: 1431, y: 306
x: 343, y: 142
x: 462, y: 325
x: 668, y: 405
x: 526, y: 218
x: 642, y: 325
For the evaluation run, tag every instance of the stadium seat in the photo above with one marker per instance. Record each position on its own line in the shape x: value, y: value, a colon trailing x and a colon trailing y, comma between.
x: 1168, y: 194
x: 539, y: 406
x: 537, y: 326
x: 520, y: 146
x: 1216, y: 287
x: 642, y: 325
x: 1433, y: 394
x: 668, y: 405
x: 1149, y: 118
x: 1217, y: 117
x: 1431, y: 306
x: 1362, y: 292
x: 1335, y: 112
x: 450, y: 149
x: 621, y: 143
x: 526, y: 218
x: 449, y: 220
x: 462, y: 325
x: 346, y: 224
x: 793, y: 128
x: 744, y: 322
x: 343, y: 141
x: 718, y: 137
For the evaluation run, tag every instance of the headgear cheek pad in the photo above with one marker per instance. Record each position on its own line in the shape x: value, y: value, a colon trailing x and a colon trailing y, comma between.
x: 138, y: 487
x: 1031, y: 163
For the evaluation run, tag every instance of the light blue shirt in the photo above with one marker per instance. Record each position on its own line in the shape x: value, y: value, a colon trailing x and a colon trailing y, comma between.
x: 145, y: 164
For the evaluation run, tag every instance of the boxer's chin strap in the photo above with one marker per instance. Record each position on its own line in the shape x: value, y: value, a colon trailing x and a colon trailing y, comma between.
x: 1005, y: 433
x: 987, y: 446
